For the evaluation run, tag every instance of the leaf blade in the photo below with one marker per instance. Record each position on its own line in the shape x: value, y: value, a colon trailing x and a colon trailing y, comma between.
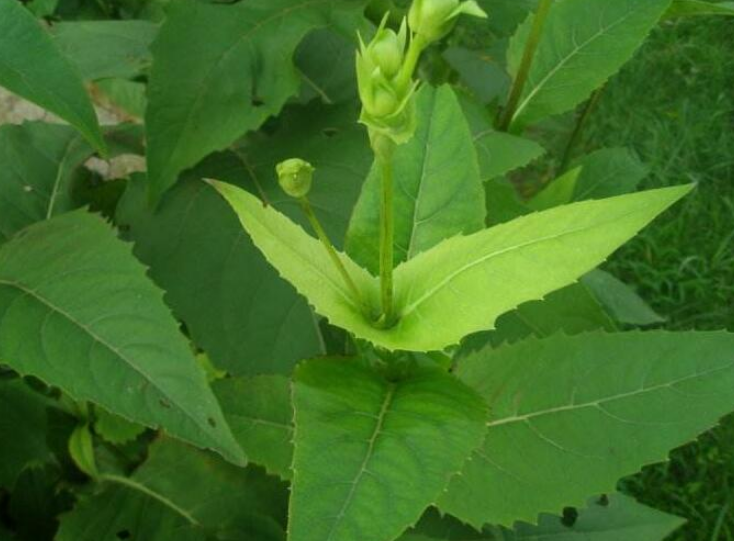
x: 67, y: 286
x: 353, y: 427
x: 33, y: 67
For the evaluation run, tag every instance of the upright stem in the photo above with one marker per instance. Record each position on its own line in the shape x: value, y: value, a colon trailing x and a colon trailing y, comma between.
x: 387, y: 235
x: 338, y: 263
x: 528, y: 55
x: 578, y: 129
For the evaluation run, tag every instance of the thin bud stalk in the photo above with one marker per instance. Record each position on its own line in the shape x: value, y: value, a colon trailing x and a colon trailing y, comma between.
x: 324, y: 238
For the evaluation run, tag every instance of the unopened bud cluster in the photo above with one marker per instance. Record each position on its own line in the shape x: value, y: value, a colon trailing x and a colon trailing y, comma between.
x: 385, y: 68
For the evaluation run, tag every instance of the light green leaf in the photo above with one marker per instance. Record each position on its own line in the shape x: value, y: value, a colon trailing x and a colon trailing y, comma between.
x: 81, y: 449
x: 304, y: 262
x: 38, y: 167
x: 437, y: 192
x: 222, y: 70
x: 260, y: 413
x: 22, y: 430
x: 687, y: 8
x: 370, y: 454
x: 569, y: 416
x: 613, y: 518
x: 479, y: 277
x: 115, y: 429
x: 234, y: 304
x: 558, y: 192
x: 608, y: 172
x: 524, y: 260
x: 106, y: 49
x: 620, y: 300
x: 32, y: 66
x: 77, y: 311
x: 584, y: 43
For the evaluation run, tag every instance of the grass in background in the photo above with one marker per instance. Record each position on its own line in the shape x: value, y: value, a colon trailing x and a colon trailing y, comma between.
x: 674, y: 105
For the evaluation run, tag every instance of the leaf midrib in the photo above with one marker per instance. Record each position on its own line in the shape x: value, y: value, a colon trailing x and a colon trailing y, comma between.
x: 435, y: 289
x: 611, y: 398
x: 103, y: 342
x: 563, y: 61
x: 379, y: 424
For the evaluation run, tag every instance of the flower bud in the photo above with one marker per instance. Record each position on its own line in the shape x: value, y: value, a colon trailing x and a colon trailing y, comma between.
x: 295, y: 177
x: 387, y: 51
x: 385, y: 90
x: 433, y: 19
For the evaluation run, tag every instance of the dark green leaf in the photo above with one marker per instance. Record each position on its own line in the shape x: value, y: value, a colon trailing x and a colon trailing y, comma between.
x: 77, y: 311
x: 32, y: 66
x: 569, y: 416
x: 608, y: 172
x: 222, y: 70
x: 106, y: 49
x: 260, y: 413
x: 621, y: 301
x: 22, y: 430
x: 38, y: 168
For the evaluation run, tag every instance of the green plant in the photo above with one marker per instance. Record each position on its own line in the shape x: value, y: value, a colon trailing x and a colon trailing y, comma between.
x: 382, y: 326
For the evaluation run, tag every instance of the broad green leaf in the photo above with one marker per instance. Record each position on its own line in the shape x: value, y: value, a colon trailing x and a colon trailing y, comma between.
x: 115, y: 429
x: 38, y: 167
x: 569, y: 416
x: 621, y: 301
x: 437, y: 189
x: 503, y: 201
x: 571, y: 310
x: 613, y: 518
x: 211, y: 491
x: 220, y: 71
x: 455, y: 276
x: 77, y: 311
x: 584, y: 43
x: 479, y: 277
x: 499, y: 153
x: 32, y: 66
x: 106, y: 49
x: 325, y: 61
x: 122, y: 512
x: 558, y: 192
x: 259, y: 411
x: 126, y: 96
x: 234, y: 304
x: 686, y: 8
x: 371, y: 454
x: 608, y: 172
x: 22, y: 430
x: 480, y: 71
x: 180, y: 493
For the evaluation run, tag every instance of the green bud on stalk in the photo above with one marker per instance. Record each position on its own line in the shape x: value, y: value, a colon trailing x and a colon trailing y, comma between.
x: 387, y: 108
x: 295, y: 177
x: 433, y: 19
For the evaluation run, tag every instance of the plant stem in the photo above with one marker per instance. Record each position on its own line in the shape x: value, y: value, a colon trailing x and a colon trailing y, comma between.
x: 387, y: 235
x: 528, y: 55
x: 578, y: 130
x: 324, y: 238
